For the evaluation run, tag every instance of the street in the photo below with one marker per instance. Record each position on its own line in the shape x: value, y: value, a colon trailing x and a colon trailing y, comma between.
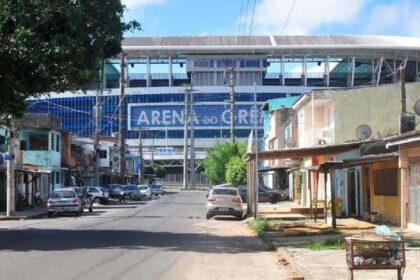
x: 166, y: 238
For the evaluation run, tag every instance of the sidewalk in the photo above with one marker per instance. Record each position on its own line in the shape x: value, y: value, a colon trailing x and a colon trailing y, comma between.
x: 30, y: 213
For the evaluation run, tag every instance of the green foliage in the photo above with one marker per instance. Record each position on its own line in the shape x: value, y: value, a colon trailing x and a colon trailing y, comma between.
x: 236, y: 171
x: 54, y: 46
x: 217, y: 159
x: 259, y: 226
x: 326, y: 245
x: 158, y: 170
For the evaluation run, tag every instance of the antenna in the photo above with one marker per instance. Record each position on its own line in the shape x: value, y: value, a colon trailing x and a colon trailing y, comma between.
x: 363, y: 132
x: 417, y: 107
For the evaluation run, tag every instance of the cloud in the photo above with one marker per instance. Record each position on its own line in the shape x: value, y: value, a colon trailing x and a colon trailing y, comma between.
x: 395, y: 18
x: 306, y: 16
x: 132, y: 4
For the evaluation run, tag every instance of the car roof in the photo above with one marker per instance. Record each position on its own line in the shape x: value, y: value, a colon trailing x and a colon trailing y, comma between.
x: 64, y: 189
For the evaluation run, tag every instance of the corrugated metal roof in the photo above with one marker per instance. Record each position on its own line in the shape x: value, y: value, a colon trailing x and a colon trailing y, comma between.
x: 387, y: 46
x: 380, y: 41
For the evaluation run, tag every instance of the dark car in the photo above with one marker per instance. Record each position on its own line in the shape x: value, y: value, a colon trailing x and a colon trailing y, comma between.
x: 129, y: 191
x: 85, y: 197
x: 114, y: 190
x: 265, y: 194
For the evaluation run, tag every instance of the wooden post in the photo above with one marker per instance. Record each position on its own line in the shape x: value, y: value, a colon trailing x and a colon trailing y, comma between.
x: 310, y: 193
x: 325, y: 197
x: 316, y: 196
x: 333, y: 213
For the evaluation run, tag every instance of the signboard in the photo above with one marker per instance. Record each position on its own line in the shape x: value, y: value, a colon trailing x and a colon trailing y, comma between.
x: 211, y: 115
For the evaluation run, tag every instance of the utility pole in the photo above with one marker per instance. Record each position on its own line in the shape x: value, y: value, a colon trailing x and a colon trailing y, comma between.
x: 192, y: 150
x: 187, y: 91
x: 122, y: 119
x: 256, y: 184
x: 97, y: 123
x: 141, y: 163
x: 231, y: 85
x: 403, y: 94
x: 10, y: 211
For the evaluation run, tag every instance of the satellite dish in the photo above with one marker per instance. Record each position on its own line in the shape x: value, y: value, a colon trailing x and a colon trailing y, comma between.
x: 363, y: 132
x: 417, y: 107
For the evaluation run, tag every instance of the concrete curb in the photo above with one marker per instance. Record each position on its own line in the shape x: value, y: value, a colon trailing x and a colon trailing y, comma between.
x: 287, y: 261
x: 27, y: 217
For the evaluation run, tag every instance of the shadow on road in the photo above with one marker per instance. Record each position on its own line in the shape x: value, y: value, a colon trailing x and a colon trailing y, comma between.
x: 63, y: 240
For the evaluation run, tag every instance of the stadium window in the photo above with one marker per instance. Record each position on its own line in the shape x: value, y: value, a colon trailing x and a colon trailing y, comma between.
x: 102, y: 153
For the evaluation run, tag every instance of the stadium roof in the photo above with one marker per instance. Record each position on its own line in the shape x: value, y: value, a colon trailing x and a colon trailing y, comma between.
x: 387, y: 46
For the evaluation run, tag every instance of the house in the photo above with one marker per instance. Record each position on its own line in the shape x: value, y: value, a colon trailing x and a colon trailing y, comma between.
x: 346, y: 126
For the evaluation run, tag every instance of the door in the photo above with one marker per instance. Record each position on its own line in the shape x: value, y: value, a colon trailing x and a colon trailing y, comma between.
x: 351, y: 193
x: 414, y: 198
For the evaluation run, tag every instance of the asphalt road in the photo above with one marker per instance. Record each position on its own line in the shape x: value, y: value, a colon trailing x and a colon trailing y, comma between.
x: 166, y: 238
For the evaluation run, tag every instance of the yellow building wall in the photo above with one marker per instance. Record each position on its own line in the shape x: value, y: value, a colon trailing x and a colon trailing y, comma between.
x: 378, y: 107
x: 388, y: 207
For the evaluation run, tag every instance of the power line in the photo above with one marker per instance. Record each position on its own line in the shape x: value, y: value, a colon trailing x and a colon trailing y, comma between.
x: 288, y: 16
x: 252, y: 18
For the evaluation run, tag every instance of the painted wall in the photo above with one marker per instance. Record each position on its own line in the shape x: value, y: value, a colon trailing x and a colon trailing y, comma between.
x: 388, y: 207
x: 378, y: 107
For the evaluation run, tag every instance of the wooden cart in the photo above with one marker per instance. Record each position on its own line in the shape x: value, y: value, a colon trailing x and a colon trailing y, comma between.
x: 374, y: 252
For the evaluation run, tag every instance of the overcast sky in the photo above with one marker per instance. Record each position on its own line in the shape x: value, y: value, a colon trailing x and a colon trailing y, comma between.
x: 234, y: 17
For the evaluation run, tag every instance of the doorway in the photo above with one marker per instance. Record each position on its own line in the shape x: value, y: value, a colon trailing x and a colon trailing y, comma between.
x: 352, y: 193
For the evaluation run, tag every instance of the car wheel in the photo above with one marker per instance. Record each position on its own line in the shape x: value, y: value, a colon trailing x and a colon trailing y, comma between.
x: 208, y: 216
x: 91, y: 209
x: 50, y: 214
x: 97, y: 200
x: 240, y: 217
x: 273, y: 200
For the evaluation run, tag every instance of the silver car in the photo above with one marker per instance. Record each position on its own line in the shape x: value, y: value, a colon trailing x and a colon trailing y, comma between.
x: 224, y: 201
x: 64, y: 201
x: 144, y: 191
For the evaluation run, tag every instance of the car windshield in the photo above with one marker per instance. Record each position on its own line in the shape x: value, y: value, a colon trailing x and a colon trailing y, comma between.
x: 102, y: 189
x: 225, y: 192
x: 63, y: 194
x: 143, y: 187
x: 129, y: 188
x: 265, y: 188
x: 156, y: 186
x: 116, y: 187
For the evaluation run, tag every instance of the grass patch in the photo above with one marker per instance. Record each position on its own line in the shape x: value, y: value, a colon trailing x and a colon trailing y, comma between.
x: 413, y: 243
x: 325, y: 245
x: 259, y: 226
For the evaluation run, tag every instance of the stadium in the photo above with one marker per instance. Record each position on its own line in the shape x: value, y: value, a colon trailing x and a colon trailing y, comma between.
x: 158, y: 68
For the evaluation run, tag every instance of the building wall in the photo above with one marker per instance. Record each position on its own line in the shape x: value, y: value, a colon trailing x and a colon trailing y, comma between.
x: 388, y: 207
x: 378, y: 107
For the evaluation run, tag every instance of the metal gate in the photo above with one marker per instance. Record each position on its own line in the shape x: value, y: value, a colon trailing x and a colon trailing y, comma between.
x: 414, y: 205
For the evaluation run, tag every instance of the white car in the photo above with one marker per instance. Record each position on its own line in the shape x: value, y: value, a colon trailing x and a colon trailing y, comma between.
x: 224, y: 201
x: 64, y: 201
x: 144, y: 191
x: 99, y: 195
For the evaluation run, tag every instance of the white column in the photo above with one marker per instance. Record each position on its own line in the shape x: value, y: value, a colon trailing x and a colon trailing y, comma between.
x: 170, y: 71
x: 282, y: 78
x: 378, y: 78
x: 304, y: 70
x: 353, y: 66
x: 148, y: 81
x: 327, y: 71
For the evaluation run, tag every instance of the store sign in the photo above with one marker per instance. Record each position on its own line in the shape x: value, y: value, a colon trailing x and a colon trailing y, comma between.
x: 206, y: 116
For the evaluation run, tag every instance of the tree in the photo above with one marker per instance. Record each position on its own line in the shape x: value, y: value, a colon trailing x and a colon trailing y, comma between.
x: 218, y: 157
x: 52, y: 45
x: 236, y: 171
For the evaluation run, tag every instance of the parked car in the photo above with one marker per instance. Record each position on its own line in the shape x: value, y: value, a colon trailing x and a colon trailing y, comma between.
x: 129, y: 191
x: 64, y: 201
x: 265, y: 194
x: 85, y: 197
x: 215, y: 186
x: 99, y: 195
x: 144, y: 191
x: 114, y: 190
x: 157, y: 189
x: 224, y: 201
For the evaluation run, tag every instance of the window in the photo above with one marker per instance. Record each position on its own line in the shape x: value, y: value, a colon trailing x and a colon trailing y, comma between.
x: 102, y: 153
x: 225, y: 63
x: 203, y: 63
x: 38, y: 142
x: 57, y: 142
x: 252, y: 63
x: 23, y: 145
x: 386, y: 182
x: 225, y: 192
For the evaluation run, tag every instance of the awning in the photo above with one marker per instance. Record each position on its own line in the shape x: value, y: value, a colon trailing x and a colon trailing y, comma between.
x: 347, y: 163
x: 304, y: 152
